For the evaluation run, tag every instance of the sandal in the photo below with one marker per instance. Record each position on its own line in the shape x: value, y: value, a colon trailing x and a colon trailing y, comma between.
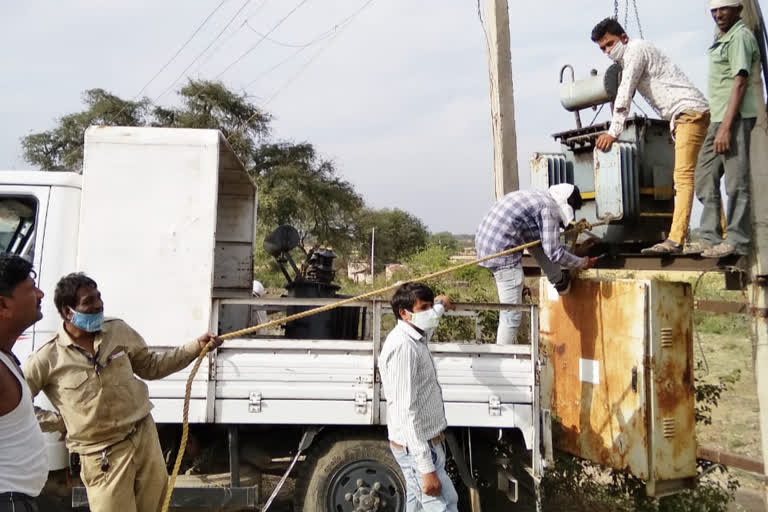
x: 665, y: 247
x: 697, y: 247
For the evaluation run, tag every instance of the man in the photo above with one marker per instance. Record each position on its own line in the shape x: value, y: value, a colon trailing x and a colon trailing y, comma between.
x: 415, y: 411
x: 673, y: 96
x: 23, y: 455
x: 732, y: 58
x: 87, y: 371
x: 520, y: 217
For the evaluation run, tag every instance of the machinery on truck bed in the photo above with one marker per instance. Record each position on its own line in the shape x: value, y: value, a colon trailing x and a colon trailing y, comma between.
x: 164, y: 220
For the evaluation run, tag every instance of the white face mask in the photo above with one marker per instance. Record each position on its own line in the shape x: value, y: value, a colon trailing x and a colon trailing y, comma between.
x: 617, y: 52
x: 427, y: 320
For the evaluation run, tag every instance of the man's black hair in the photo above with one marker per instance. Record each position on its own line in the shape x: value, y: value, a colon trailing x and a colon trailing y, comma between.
x: 607, y: 26
x: 13, y: 271
x: 575, y: 200
x: 65, y: 295
x: 405, y: 297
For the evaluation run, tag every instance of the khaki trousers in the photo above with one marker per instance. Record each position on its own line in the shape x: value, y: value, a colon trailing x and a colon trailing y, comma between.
x: 690, y: 132
x: 136, y: 478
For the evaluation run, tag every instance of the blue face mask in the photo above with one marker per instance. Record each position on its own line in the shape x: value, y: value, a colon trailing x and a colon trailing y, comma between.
x: 88, y: 322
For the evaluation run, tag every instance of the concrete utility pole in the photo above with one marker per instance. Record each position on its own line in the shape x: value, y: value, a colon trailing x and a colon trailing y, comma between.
x: 758, y: 286
x: 502, y: 100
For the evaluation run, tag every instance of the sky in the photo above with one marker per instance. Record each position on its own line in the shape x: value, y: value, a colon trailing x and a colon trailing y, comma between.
x: 397, y: 96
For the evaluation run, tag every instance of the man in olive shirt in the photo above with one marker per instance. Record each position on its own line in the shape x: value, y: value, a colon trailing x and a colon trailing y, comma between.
x: 88, y: 371
x: 732, y: 101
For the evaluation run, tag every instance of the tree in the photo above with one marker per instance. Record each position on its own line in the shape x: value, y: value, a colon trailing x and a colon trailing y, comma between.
x: 61, y: 149
x: 399, y: 234
x: 445, y: 240
x: 303, y: 190
x: 296, y: 186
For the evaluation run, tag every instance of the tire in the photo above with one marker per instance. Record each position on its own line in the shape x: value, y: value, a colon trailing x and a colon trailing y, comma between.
x: 335, y: 468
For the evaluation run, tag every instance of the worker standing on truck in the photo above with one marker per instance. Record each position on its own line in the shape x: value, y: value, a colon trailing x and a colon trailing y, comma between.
x: 23, y: 454
x: 673, y: 96
x: 526, y: 216
x: 415, y: 411
x: 732, y: 59
x: 88, y: 371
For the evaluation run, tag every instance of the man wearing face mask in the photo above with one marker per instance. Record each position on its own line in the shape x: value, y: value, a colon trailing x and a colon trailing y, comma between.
x: 88, y: 371
x: 673, y: 96
x: 518, y: 218
x: 415, y: 411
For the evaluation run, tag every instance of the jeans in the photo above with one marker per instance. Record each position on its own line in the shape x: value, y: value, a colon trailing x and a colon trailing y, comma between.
x: 690, y: 131
x: 18, y: 503
x: 415, y: 499
x: 734, y: 165
x: 509, y: 284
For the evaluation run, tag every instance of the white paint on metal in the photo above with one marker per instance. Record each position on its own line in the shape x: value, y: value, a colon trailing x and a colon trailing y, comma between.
x: 589, y: 371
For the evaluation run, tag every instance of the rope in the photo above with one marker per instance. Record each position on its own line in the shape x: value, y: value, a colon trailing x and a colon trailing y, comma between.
x: 578, y: 228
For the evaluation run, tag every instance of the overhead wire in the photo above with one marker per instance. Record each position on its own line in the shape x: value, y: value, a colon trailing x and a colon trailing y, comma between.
x: 262, y: 39
x: 229, y: 37
x: 169, y: 61
x: 339, y: 28
x: 218, y: 36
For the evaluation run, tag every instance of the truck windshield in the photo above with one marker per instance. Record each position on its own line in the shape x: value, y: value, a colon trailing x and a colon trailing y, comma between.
x: 17, y: 225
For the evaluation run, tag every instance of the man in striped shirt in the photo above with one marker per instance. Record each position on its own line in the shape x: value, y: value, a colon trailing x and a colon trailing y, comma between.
x: 520, y: 217
x: 415, y: 411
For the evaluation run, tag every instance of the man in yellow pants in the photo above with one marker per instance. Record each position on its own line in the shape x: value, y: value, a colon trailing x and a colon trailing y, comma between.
x: 672, y: 95
x: 88, y: 371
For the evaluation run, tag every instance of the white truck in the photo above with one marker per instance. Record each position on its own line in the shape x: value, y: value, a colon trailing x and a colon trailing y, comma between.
x: 165, y: 219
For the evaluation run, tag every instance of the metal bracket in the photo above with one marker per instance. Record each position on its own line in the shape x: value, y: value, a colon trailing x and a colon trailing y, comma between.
x: 361, y: 402
x: 254, y: 402
x: 494, y: 405
x: 759, y: 312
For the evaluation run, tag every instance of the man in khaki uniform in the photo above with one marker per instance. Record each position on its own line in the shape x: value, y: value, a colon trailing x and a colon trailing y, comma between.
x: 88, y: 371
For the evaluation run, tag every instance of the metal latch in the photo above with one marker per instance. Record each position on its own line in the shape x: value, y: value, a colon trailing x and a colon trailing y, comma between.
x: 361, y: 402
x: 494, y: 405
x: 254, y: 402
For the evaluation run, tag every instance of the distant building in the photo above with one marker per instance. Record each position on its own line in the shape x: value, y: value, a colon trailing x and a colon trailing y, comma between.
x: 359, y: 272
x: 392, y: 268
x: 466, y: 254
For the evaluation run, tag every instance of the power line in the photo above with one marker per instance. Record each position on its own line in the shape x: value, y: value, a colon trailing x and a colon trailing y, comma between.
x: 341, y: 27
x: 183, y: 73
x: 168, y: 63
x: 261, y: 40
x: 229, y: 37
x: 332, y: 32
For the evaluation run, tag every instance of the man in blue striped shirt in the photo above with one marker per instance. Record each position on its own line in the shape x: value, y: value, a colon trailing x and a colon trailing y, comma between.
x: 415, y: 411
x: 518, y: 218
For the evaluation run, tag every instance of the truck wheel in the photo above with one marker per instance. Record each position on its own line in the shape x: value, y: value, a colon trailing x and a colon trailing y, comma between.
x: 351, y: 475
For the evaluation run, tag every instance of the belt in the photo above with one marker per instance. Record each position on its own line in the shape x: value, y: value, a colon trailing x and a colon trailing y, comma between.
x: 439, y: 438
x: 15, y: 496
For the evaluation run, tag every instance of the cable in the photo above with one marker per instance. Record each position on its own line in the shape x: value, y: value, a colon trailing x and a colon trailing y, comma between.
x: 229, y: 37
x: 261, y: 40
x: 341, y: 28
x: 203, y: 52
x: 168, y: 63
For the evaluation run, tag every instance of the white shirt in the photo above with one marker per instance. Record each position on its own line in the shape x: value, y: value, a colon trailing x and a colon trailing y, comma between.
x: 415, y: 412
x: 23, y: 454
x: 663, y: 84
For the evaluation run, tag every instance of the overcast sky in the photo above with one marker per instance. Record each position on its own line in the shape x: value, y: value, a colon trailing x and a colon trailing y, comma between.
x: 398, y: 98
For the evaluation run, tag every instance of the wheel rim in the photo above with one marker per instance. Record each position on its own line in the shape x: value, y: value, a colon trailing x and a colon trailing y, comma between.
x: 353, y: 488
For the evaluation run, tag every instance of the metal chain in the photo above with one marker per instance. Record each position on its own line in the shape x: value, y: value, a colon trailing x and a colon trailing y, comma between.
x: 616, y: 10
x: 626, y: 14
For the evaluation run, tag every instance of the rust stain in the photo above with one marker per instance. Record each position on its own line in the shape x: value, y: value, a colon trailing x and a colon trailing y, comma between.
x: 603, y: 419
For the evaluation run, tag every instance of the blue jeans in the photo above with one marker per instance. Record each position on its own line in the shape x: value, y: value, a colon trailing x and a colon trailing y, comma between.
x: 415, y: 499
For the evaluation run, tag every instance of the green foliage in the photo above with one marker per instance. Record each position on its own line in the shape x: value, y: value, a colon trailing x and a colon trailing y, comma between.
x: 446, y: 240
x: 61, y: 149
x: 398, y: 235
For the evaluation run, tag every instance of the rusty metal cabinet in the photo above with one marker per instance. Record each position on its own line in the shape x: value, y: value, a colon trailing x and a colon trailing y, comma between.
x: 617, y: 376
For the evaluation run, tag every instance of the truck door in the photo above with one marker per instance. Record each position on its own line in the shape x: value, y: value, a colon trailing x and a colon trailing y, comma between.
x: 23, y: 211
